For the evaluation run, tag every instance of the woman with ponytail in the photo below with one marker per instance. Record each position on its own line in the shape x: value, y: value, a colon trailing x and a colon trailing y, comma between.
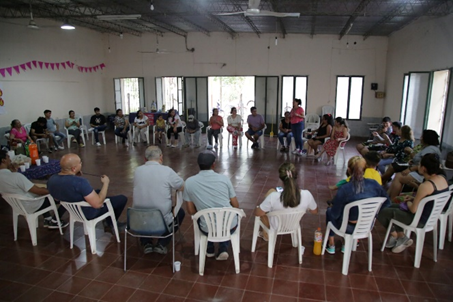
x: 404, y: 212
x: 290, y: 197
x: 358, y: 188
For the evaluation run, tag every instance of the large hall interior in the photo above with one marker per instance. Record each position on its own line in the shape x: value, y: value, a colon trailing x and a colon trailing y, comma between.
x: 365, y: 59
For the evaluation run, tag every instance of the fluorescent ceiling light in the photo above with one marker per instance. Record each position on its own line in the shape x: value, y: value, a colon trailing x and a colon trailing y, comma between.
x: 67, y: 26
x: 118, y: 17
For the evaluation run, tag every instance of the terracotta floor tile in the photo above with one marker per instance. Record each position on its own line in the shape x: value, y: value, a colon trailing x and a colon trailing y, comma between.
x: 237, y: 281
x: 143, y: 296
x: 419, y: 289
x: 390, y: 297
x: 285, y: 288
x: 74, y: 285
x: 363, y: 282
x: 259, y: 284
x: 132, y: 279
x: 34, y: 294
x: 276, y: 298
x: 95, y: 290
x: 312, y: 291
x: 178, y: 288
x: 53, y: 280
x: 441, y: 291
x: 155, y: 283
x: 203, y: 292
x: 110, y: 275
x: 58, y: 296
x: 311, y: 276
x: 389, y: 285
x: 167, y: 298
x: 226, y: 294
x: 118, y: 293
x: 256, y: 296
x: 366, y: 295
x: 339, y: 294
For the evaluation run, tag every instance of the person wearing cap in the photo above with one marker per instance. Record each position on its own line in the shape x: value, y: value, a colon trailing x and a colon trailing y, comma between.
x: 153, y: 185
x: 206, y: 190
x: 53, y: 129
x: 192, y: 127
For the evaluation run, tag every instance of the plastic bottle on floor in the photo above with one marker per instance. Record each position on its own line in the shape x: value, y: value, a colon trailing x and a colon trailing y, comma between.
x: 318, y: 242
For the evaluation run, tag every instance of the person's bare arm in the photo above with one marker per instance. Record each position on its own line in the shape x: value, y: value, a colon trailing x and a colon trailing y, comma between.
x: 191, y: 209
x: 259, y: 212
x: 38, y: 190
x: 315, y: 211
x: 280, y: 127
x: 97, y: 200
x: 234, y: 202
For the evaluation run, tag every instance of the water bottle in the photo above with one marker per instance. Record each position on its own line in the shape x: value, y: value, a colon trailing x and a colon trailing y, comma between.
x: 26, y: 148
x: 318, y: 242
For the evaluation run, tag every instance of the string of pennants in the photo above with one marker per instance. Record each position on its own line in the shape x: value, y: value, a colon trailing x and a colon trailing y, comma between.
x: 38, y: 64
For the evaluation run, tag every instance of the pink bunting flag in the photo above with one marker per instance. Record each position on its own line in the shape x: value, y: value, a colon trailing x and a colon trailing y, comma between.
x: 102, y: 66
x: 16, y: 68
x: 63, y: 65
x: 40, y: 64
x: 9, y: 70
x: 91, y: 69
x: 29, y: 65
x: 96, y: 68
x: 57, y: 65
x: 34, y: 64
x: 52, y: 65
x: 24, y: 68
x: 79, y: 68
x: 69, y: 64
x: 2, y: 72
x: 47, y: 65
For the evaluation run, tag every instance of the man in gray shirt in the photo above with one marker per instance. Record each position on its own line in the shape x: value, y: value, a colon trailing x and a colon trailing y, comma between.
x: 192, y: 127
x: 208, y: 190
x: 153, y: 185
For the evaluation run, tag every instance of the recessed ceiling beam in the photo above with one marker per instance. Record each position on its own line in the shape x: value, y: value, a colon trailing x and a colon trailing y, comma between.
x: 358, y: 11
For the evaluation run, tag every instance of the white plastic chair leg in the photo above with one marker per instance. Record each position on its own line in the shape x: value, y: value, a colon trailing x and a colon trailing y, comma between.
x: 354, y: 245
x: 326, y: 237
x: 294, y: 239
x: 435, y: 243
x: 386, y: 235
x: 347, y: 254
x: 235, y: 246
x: 370, y: 251
x: 125, y: 250
x: 32, y: 228
x: 15, y: 219
x: 450, y: 226
x: 92, y: 237
x: 443, y: 221
x: 196, y: 237
x: 71, y: 232
x: 256, y: 230
x: 419, y: 248
x: 271, y: 249
x: 202, y: 258
x: 299, y: 244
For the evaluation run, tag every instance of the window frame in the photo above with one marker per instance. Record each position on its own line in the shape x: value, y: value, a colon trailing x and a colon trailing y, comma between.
x: 349, y: 96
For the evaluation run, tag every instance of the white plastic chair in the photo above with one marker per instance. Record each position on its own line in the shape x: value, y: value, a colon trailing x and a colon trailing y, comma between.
x: 38, y: 140
x: 431, y: 225
x: 89, y: 226
x: 445, y: 218
x: 261, y: 139
x: 341, y: 148
x: 367, y: 209
x: 288, y: 222
x: 199, y: 137
x: 328, y: 110
x: 136, y: 133
x: 239, y: 138
x: 219, y: 222
x: 220, y: 136
x: 148, y: 223
x: 117, y: 138
x: 312, y: 121
x: 16, y: 200
x: 69, y: 137
x: 83, y: 127
x: 99, y: 133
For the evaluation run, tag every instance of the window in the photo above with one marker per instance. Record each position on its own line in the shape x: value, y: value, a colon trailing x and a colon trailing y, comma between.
x: 349, y: 97
x: 129, y: 94
x: 169, y: 93
x: 294, y: 87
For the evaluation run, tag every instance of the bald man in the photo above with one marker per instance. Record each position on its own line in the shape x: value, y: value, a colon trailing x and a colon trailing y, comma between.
x: 70, y: 187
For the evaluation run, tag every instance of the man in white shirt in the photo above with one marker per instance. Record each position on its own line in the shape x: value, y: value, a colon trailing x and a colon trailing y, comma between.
x: 16, y: 183
x: 153, y: 185
x: 208, y: 190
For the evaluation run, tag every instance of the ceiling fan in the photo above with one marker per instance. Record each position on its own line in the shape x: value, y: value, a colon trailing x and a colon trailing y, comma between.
x: 254, y: 11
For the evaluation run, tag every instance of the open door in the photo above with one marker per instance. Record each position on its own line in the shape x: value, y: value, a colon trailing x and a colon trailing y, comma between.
x: 266, y: 101
x: 196, y: 96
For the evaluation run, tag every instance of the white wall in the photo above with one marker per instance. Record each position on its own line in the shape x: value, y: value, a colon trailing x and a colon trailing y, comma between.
x: 27, y: 94
x: 322, y: 58
x: 425, y: 45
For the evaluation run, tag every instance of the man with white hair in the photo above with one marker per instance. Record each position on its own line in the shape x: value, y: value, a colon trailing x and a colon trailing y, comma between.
x: 153, y: 185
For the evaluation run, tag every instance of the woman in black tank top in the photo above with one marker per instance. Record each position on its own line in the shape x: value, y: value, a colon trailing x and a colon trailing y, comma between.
x: 434, y: 183
x: 322, y: 133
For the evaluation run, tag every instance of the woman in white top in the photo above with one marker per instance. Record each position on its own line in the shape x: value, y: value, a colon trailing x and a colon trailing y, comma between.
x: 175, y: 126
x: 235, y: 126
x: 141, y: 124
x: 291, y: 198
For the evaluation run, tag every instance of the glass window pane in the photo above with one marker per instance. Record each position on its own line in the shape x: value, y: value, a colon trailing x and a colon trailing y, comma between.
x: 355, y: 98
x: 287, y: 94
x: 301, y: 91
x: 342, y: 97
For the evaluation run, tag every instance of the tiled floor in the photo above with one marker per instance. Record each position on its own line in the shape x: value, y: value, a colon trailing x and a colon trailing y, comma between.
x: 53, y: 272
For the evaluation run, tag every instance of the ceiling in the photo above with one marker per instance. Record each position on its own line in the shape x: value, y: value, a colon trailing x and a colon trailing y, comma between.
x: 336, y: 17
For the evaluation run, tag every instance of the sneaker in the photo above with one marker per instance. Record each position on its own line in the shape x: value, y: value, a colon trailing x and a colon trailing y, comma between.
x: 216, y: 145
x: 300, y: 153
x: 330, y: 249
x: 401, y: 244
x: 49, y: 150
x: 304, y: 151
x: 61, y: 147
x: 98, y: 144
x: 391, y: 243
x: 168, y: 145
x: 74, y: 141
x: 55, y: 148
x: 222, y: 256
x: 209, y: 147
x: 53, y: 224
x: 253, y: 145
x: 82, y: 145
x: 210, y: 254
x: 295, y: 151
x: 174, y: 146
x: 160, y: 249
x: 282, y: 149
x: 127, y: 144
x: 148, y: 248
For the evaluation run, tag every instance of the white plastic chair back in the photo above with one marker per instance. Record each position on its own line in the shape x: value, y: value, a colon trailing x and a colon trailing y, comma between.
x: 137, y: 136
x: 76, y: 214
x: 286, y: 221
x: 328, y: 110
x: 16, y: 200
x: 312, y: 121
x: 341, y: 147
x: 70, y: 136
x: 367, y: 210
x: 439, y: 200
x: 39, y: 140
x: 446, y: 218
x: 219, y: 222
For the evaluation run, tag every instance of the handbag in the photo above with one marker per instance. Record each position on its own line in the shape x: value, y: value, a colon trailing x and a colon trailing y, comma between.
x: 449, y: 160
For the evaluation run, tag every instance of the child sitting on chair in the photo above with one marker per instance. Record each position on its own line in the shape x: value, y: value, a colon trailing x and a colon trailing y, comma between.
x: 160, y: 128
